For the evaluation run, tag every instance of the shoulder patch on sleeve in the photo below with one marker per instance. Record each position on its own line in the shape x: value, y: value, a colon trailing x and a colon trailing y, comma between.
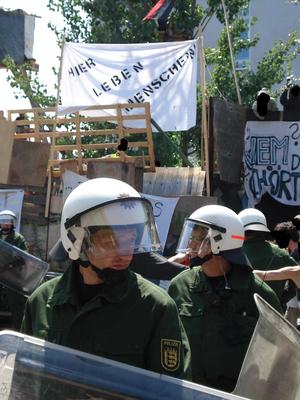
x: 170, y: 354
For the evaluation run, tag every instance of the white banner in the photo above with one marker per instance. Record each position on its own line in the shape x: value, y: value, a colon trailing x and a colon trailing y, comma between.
x: 272, y: 161
x: 163, y: 209
x: 163, y: 74
x: 12, y: 199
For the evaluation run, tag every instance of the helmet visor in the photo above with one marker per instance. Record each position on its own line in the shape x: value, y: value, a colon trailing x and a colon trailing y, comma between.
x: 192, y: 237
x: 121, y: 228
x: 4, y: 220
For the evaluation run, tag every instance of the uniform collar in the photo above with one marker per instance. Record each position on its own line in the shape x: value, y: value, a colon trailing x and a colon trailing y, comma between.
x: 9, y: 235
x: 66, y: 289
x: 236, y: 279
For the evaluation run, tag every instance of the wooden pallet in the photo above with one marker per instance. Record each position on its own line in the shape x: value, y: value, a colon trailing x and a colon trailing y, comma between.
x: 42, y: 125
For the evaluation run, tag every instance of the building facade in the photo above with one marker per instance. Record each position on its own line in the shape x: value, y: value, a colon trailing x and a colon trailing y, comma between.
x: 276, y: 19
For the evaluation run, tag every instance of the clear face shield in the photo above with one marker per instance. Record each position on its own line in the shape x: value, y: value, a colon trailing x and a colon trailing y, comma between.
x: 6, y: 220
x: 194, y: 239
x: 121, y: 228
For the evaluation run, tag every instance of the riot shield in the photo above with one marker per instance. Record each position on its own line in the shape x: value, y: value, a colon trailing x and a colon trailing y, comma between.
x: 20, y: 271
x: 32, y: 369
x: 271, y: 369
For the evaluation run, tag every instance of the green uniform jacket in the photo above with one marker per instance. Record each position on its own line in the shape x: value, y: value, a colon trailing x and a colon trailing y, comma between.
x: 16, y: 239
x: 219, y: 327
x: 15, y: 302
x: 136, y: 323
x: 264, y: 255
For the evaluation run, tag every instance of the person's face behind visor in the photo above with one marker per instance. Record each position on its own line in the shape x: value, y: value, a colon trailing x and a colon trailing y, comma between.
x: 205, y: 247
x: 6, y: 226
x: 111, y: 247
x: 198, y: 234
x: 194, y: 239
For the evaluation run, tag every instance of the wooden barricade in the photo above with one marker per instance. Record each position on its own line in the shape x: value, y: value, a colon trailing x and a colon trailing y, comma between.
x: 42, y: 125
x: 175, y: 181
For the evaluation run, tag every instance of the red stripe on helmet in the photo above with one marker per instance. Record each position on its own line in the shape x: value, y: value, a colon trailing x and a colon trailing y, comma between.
x: 237, y: 237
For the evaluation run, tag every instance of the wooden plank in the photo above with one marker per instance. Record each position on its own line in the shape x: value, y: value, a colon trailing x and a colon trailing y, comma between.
x: 120, y: 122
x: 149, y: 136
x: 167, y: 175
x: 136, y: 105
x: 198, y: 182
x: 36, y: 126
x: 26, y: 188
x: 157, y: 184
x: 182, y: 180
x: 97, y: 119
x: 33, y: 168
x: 127, y: 160
x: 134, y: 117
x: 49, y: 190
x: 149, y: 180
x: 24, y: 136
x: 173, y: 181
x: 78, y: 144
x: 191, y: 176
x: 97, y: 146
x: 131, y: 173
x: 103, y: 132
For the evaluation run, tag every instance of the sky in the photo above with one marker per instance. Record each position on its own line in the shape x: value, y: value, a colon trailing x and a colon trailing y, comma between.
x: 45, y: 50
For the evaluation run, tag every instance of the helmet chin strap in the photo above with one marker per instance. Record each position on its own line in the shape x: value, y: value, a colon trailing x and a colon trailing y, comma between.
x: 110, y: 276
x: 201, y: 260
x: 227, y: 286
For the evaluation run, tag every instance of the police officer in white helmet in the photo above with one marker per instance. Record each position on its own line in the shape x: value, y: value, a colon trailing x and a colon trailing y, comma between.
x: 7, y: 230
x: 12, y: 301
x: 215, y: 298
x: 98, y: 305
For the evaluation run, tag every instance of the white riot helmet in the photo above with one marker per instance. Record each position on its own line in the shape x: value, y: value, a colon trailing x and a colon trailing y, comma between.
x: 7, y: 217
x: 253, y: 220
x: 221, y: 226
x: 105, y: 203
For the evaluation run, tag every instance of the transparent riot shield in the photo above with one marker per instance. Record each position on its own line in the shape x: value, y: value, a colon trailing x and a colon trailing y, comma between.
x: 32, y: 369
x: 271, y: 369
x: 20, y: 271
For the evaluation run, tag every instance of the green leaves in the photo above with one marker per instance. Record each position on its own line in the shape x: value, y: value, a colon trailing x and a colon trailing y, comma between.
x: 270, y: 70
x: 25, y: 78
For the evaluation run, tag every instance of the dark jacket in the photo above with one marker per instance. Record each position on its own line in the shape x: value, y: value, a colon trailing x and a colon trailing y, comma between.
x: 14, y: 302
x: 135, y: 322
x: 16, y: 239
x: 289, y: 101
x: 265, y: 256
x: 219, y: 323
x: 154, y: 266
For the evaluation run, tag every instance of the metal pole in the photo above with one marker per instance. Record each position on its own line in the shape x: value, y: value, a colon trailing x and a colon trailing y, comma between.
x: 231, y: 54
